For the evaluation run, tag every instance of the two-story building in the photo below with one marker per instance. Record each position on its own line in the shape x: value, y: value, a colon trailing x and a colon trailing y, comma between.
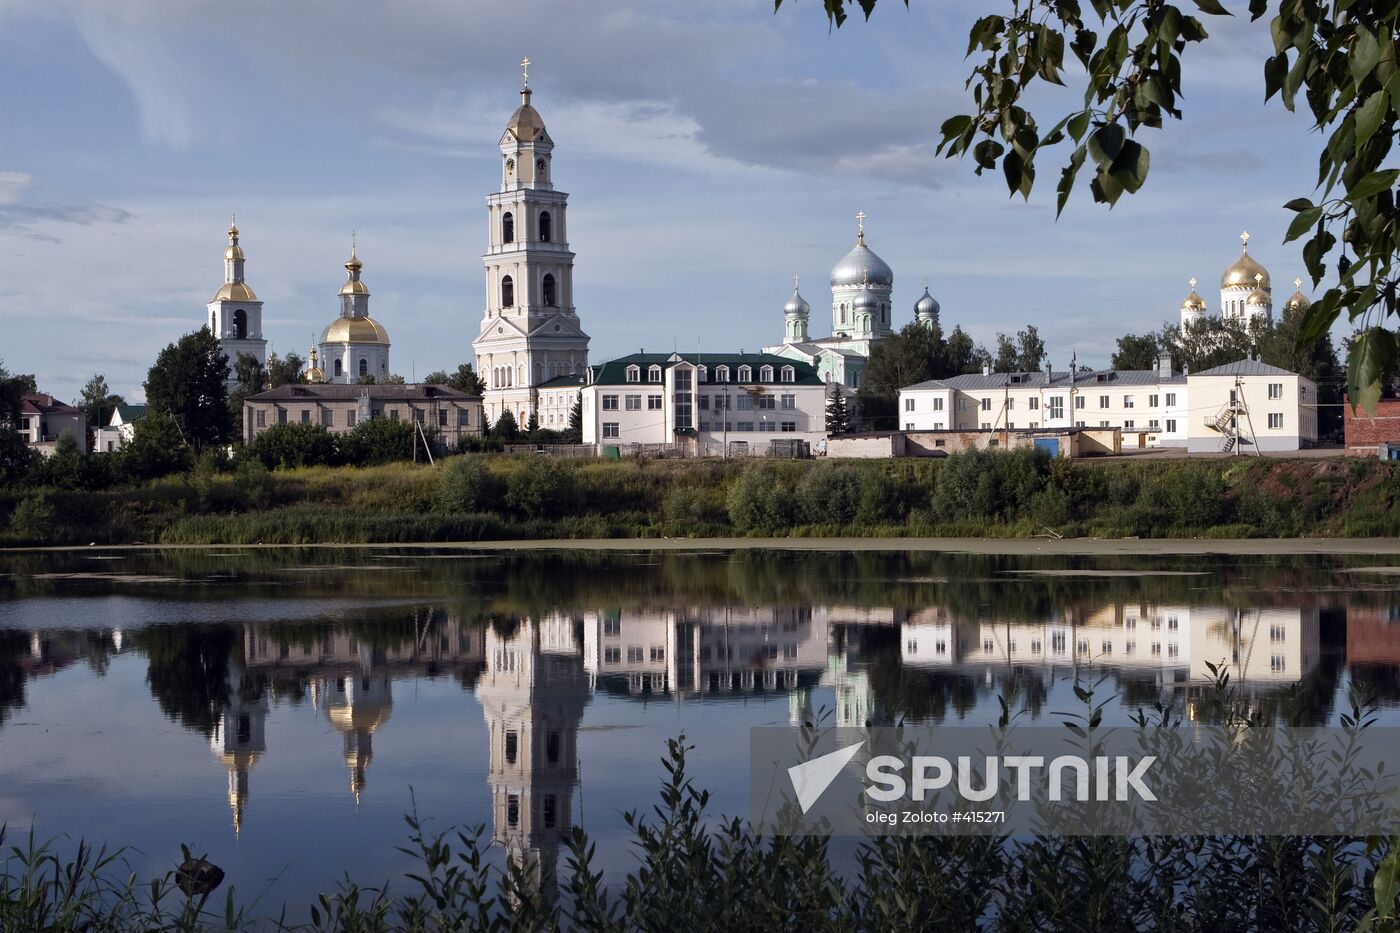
x: 339, y: 408
x: 120, y: 428
x: 43, y: 419
x: 707, y: 404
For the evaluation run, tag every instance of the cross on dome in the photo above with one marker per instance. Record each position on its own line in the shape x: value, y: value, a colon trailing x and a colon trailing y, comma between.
x: 860, y: 226
x: 1244, y: 238
x: 1298, y: 284
x: 1192, y: 280
x: 796, y: 282
x: 525, y: 64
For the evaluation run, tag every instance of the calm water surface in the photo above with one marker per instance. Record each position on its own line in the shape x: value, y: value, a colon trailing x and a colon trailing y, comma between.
x: 282, y: 710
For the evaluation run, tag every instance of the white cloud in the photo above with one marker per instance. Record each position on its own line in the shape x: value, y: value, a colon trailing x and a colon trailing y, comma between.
x: 12, y: 186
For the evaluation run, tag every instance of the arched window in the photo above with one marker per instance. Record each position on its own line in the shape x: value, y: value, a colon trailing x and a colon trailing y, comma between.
x: 843, y: 313
x: 546, y: 227
x: 634, y: 374
x: 654, y: 374
x: 507, y: 292
x: 339, y: 368
x: 240, y: 324
x: 765, y: 374
x: 745, y: 374
x: 507, y: 227
x: 540, y: 166
x: 550, y: 299
x: 364, y: 366
x: 721, y: 374
x: 789, y: 374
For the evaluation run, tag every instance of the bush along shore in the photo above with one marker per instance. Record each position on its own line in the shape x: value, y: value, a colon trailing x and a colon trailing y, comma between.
x: 485, y: 496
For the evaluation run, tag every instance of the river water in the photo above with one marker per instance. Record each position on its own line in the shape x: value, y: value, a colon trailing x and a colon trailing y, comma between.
x: 281, y: 710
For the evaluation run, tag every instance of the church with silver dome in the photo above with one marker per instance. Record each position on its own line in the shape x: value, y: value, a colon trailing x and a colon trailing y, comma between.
x: 861, y: 284
x: 1246, y: 294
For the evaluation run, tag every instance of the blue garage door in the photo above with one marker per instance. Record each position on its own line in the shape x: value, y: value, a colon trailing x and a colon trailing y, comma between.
x: 1051, y: 445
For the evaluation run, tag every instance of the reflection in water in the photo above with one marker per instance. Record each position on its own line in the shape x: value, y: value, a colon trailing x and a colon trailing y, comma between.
x: 547, y: 654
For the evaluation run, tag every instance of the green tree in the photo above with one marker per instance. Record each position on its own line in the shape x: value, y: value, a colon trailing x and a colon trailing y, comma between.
x: 379, y: 440
x: 575, y: 432
x: 284, y: 370
x: 392, y: 380
x: 13, y: 387
x: 295, y: 445
x: 157, y: 448
x: 1137, y: 352
x: 532, y: 424
x: 1024, y: 354
x: 98, y: 402
x: 1208, y: 343
x: 1340, y: 58
x: 468, y: 485
x: 464, y: 379
x: 251, y: 379
x: 16, y: 458
x: 505, y: 427
x: 187, y: 382
x: 540, y: 487
x: 838, y: 416
x: 963, y: 356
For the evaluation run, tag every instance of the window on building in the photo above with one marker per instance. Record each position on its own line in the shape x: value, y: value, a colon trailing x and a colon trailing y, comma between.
x: 1078, y: 403
x: 610, y: 403
x: 744, y: 426
x: 634, y: 403
x: 789, y: 427
x: 1171, y: 399
x: 546, y: 227
x: 765, y: 374
x: 507, y: 292
x: 1103, y: 401
x: 547, y: 291
x: 1105, y: 424
x: 721, y: 374
x: 281, y: 416
x: 634, y: 654
x: 745, y: 403
x: 1057, y: 406
x: 658, y: 653
x: 1127, y: 401
x: 938, y: 404
x: 704, y: 402
x: 507, y: 227
x: 745, y: 374
x: 765, y: 403
x: 462, y: 420
x: 1277, y: 663
x: 1128, y: 425
x: 1276, y: 419
x: 612, y: 655
x: 1275, y: 390
x: 789, y: 402
x: 513, y: 810
x: 634, y: 374
x: 240, y: 324
x: 1171, y: 425
x: 610, y: 429
x: 339, y: 369
x: 1276, y: 633
x: 364, y: 367
x: 987, y: 426
x: 327, y: 418
x: 512, y: 746
x: 986, y: 404
x: 1154, y: 425
x: 653, y: 403
x: 789, y: 374
x: 262, y: 420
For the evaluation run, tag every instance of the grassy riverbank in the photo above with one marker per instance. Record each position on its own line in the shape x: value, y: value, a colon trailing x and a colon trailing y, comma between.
x: 495, y: 497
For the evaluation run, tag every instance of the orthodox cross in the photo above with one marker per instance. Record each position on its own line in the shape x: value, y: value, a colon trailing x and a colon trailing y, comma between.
x: 1244, y: 238
x: 860, y: 219
x: 1192, y: 280
x: 525, y: 64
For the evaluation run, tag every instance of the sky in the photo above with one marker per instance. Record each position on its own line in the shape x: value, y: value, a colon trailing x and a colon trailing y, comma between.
x: 711, y: 149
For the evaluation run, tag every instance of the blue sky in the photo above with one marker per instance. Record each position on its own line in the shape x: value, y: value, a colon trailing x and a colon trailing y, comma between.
x: 712, y: 150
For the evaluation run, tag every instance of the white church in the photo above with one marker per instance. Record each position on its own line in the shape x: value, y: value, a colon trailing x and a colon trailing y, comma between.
x: 1246, y: 294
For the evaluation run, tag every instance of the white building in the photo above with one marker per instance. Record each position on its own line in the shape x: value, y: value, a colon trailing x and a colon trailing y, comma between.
x: 119, y: 431
x: 861, y: 316
x: 43, y: 419
x: 1251, y: 406
x: 530, y: 333
x: 711, y: 402
x: 1246, y: 294
x: 1149, y: 406
x: 354, y: 345
x: 235, y: 313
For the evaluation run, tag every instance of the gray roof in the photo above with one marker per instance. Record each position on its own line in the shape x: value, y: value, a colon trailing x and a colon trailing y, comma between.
x: 379, y: 392
x: 1245, y: 368
x: 972, y: 382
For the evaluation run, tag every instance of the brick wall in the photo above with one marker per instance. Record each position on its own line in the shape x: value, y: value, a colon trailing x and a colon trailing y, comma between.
x: 1364, y: 432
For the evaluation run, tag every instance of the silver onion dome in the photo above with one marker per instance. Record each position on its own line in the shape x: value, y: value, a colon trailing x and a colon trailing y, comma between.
x: 861, y: 265
x: 926, y: 306
x: 797, y: 306
x: 866, y: 301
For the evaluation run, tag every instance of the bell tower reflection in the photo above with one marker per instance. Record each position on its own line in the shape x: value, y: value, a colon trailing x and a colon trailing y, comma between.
x: 532, y: 694
x: 357, y: 705
x: 240, y: 738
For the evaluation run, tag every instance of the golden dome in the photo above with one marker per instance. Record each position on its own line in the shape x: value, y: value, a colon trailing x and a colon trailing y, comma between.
x: 354, y: 287
x: 353, y: 264
x: 526, y: 123
x: 355, y: 330
x: 1259, y: 296
x: 234, y: 251
x: 1193, y: 302
x: 234, y: 291
x: 1297, y: 301
x: 358, y: 717
x: 1242, y: 272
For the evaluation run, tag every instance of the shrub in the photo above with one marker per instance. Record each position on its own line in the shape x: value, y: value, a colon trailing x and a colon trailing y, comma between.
x: 379, y: 440
x: 283, y: 446
x: 981, y: 484
x: 540, y: 487
x: 759, y: 500
x: 693, y: 504
x: 830, y: 492
x: 35, y: 520
x: 467, y: 485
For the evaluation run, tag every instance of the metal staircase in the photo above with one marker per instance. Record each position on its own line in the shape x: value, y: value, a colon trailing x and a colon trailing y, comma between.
x: 1230, y: 421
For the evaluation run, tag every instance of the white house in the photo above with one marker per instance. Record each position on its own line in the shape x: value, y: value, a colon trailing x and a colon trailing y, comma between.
x: 43, y: 419
x: 1149, y: 406
x: 118, y: 432
x: 707, y: 403
x: 1252, y: 405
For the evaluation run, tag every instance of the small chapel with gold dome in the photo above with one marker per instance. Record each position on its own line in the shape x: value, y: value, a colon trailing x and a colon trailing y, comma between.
x: 354, y: 345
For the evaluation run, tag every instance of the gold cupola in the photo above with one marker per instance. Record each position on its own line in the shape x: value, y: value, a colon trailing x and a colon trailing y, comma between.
x: 1245, y: 272
x: 1193, y: 301
x: 313, y: 371
x: 1297, y: 301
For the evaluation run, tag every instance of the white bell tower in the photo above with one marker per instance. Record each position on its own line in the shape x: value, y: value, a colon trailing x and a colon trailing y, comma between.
x: 530, y: 332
